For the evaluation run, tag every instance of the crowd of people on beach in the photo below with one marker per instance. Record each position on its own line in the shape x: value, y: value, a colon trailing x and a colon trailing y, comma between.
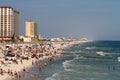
x: 18, y: 54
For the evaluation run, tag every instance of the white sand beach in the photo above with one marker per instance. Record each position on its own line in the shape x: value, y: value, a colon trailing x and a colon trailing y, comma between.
x: 9, y: 68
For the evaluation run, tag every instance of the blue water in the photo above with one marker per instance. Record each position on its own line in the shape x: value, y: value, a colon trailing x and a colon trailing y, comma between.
x: 83, y: 62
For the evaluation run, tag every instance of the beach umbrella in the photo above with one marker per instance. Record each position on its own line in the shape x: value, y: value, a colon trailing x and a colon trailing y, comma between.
x: 1, y: 55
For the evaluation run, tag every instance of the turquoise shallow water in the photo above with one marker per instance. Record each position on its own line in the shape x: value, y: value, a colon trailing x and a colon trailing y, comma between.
x: 96, y: 60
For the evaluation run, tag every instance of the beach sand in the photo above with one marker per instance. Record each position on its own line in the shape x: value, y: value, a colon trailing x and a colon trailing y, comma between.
x: 27, y: 64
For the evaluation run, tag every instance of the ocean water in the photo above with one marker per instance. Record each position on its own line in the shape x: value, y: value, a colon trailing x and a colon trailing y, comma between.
x: 97, y: 60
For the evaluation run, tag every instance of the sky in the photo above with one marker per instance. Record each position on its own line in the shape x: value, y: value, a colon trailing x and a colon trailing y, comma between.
x: 92, y: 19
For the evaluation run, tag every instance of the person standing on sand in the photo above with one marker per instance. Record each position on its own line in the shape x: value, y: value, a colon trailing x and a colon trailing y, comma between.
x: 24, y: 69
x: 40, y: 66
x: 1, y: 71
x: 32, y: 62
x: 19, y: 76
x: 21, y: 61
x: 16, y: 74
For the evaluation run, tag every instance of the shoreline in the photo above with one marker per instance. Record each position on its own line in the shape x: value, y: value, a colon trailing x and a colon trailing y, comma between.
x: 20, y: 66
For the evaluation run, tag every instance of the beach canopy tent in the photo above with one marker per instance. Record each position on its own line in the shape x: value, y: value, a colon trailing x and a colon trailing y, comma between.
x: 49, y: 44
x: 10, y: 55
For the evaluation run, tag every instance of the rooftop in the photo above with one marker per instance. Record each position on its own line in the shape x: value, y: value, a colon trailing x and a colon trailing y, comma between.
x: 5, y: 7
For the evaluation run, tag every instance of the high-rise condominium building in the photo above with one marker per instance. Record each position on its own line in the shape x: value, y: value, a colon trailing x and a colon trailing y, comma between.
x: 31, y: 29
x: 9, y: 22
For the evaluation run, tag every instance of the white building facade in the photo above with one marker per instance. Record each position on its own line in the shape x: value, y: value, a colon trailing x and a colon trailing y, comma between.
x: 9, y: 23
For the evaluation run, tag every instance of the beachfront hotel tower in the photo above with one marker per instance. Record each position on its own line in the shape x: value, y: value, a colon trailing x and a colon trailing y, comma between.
x: 31, y: 29
x: 9, y: 23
